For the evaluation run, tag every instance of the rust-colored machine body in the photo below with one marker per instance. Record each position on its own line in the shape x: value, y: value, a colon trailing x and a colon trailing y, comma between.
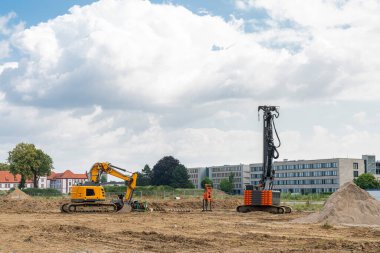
x: 262, y: 197
x: 207, y: 198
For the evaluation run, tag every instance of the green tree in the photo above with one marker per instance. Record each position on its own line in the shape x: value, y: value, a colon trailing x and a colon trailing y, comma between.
x: 180, y: 178
x: 144, y: 178
x: 367, y: 181
x: 22, y: 182
x: 227, y: 185
x: 206, y: 180
x: 29, y: 162
x: 4, y: 166
x: 163, y: 169
x: 169, y: 171
x: 146, y: 171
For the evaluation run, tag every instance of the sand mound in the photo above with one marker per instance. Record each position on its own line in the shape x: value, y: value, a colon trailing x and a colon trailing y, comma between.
x: 18, y: 194
x: 32, y: 205
x: 349, y: 205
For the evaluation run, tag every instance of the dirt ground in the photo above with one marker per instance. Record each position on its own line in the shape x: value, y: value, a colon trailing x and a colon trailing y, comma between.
x: 223, y: 230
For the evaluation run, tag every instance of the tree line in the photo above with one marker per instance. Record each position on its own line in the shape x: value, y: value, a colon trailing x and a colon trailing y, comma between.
x: 167, y: 171
x: 32, y: 163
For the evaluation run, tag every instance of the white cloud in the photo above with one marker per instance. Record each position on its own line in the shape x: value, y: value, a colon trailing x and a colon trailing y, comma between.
x: 4, y: 49
x: 8, y: 65
x: 131, y: 81
x: 337, y: 39
x: 138, y: 50
x: 4, y: 20
x: 134, y: 50
x: 322, y: 143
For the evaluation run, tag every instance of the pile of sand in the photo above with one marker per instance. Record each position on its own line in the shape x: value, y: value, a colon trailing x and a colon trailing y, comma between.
x: 33, y: 205
x: 348, y: 205
x: 18, y: 194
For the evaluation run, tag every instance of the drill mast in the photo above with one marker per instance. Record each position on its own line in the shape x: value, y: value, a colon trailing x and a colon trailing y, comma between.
x: 270, y: 151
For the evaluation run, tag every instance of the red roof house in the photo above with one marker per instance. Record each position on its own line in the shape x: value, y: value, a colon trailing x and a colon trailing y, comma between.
x: 65, y: 180
x: 8, y: 180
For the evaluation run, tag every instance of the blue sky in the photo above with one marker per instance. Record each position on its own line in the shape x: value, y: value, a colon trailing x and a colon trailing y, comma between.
x: 33, y: 12
x: 36, y: 11
x: 129, y: 81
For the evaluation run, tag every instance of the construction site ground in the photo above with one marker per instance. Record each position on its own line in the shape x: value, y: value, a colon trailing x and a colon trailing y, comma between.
x: 36, y: 225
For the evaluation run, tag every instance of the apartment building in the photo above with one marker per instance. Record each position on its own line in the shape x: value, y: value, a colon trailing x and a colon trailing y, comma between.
x: 297, y: 176
x: 196, y: 175
x: 217, y: 173
x: 311, y: 176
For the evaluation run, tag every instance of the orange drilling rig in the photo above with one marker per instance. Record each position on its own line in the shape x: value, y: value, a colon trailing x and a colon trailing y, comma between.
x: 262, y: 197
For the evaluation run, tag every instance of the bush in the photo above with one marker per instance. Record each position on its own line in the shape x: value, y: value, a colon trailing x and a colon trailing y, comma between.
x: 367, y: 181
x: 226, y: 185
x: 42, y: 192
x: 206, y: 180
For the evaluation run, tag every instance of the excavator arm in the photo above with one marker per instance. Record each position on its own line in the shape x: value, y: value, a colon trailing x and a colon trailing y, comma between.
x: 98, y: 168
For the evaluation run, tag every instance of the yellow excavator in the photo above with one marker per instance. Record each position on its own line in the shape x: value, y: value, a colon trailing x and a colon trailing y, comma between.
x: 90, y: 196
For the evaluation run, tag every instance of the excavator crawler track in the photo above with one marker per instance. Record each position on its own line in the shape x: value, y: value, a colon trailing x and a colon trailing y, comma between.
x: 89, y: 208
x: 262, y: 208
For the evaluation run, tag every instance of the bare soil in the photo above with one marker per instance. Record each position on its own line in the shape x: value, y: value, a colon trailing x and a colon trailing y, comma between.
x: 36, y: 225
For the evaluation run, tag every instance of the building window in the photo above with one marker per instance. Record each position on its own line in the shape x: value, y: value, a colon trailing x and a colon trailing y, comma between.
x: 356, y: 173
x: 356, y: 166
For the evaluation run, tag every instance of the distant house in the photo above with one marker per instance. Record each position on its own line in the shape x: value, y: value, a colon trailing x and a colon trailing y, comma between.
x: 8, y: 181
x: 64, y: 181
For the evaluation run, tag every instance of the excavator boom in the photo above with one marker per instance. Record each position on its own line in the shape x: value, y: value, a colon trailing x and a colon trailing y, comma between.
x: 98, y: 168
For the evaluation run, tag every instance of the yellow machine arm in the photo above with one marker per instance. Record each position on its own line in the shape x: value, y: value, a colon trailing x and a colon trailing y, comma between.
x: 98, y: 168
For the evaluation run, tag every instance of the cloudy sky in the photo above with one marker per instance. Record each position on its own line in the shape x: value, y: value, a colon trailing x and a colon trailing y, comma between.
x: 130, y: 81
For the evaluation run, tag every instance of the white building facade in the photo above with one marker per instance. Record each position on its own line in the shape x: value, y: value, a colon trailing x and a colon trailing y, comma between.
x: 196, y: 175
x: 311, y: 176
x: 217, y: 173
x: 64, y: 181
x: 298, y: 176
